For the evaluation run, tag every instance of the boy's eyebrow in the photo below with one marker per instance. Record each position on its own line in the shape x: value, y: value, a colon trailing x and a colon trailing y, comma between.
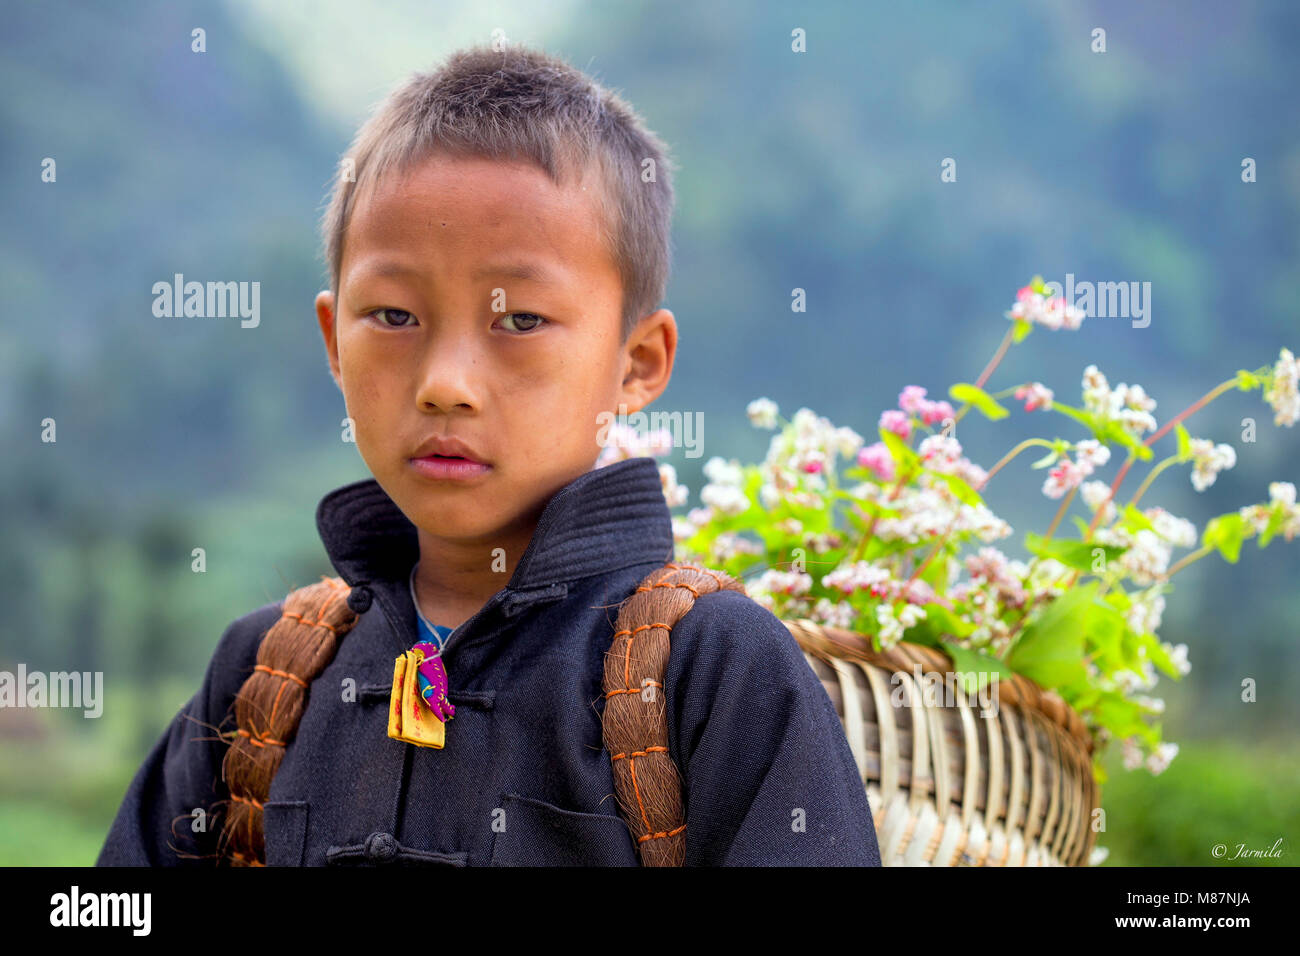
x: 525, y: 271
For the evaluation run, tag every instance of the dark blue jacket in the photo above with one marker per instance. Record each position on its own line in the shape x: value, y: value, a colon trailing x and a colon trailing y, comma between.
x: 750, y: 726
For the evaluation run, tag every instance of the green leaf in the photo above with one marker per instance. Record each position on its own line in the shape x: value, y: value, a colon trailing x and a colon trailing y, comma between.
x: 1184, y: 442
x: 1246, y: 381
x: 904, y: 457
x: 958, y: 486
x: 1050, y: 649
x: 1135, y: 520
x: 975, y: 669
x: 1275, y: 522
x: 1047, y: 460
x: 1073, y: 554
x: 1022, y: 328
x: 986, y: 403
x: 1225, y: 533
x: 1079, y: 415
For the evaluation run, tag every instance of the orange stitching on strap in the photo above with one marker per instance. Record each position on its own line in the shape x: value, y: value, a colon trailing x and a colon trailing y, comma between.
x: 670, y: 584
x: 250, y: 800
x: 317, y: 623
x: 633, y: 690
x: 641, y: 753
x: 660, y: 834
x: 643, y: 627
x: 631, y: 766
x: 261, y: 740
x: 267, y: 669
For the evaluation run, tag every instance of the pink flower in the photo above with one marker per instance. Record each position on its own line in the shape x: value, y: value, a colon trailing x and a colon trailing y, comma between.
x: 897, y: 422
x: 911, y: 398
x: 934, y: 412
x: 877, y: 458
x: 1036, y: 395
x: 813, y: 466
x: 1063, y: 477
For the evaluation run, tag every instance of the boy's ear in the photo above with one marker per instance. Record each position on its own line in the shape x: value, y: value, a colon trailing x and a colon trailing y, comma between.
x: 325, y: 316
x: 649, y: 353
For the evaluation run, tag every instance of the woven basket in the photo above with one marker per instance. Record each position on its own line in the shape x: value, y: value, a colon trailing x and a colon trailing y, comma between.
x: 946, y: 786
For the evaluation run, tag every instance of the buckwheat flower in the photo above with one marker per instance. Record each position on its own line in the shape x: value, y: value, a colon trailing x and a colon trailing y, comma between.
x: 719, y: 471
x: 1035, y: 395
x: 834, y: 613
x: 762, y: 412
x: 1154, y: 704
x: 911, y: 398
x: 1063, y: 477
x: 729, y: 544
x: 683, y: 528
x: 1146, y: 558
x: 727, y: 499
x: 1091, y: 454
x: 788, y: 583
x: 897, y: 422
x: 876, y: 457
x: 910, y: 614
x: 891, y: 631
x: 1094, y: 493
x: 1178, y: 655
x: 1098, y: 855
x: 846, y: 442
x: 1145, y: 611
x: 1281, y: 393
x: 1178, y: 531
x: 1208, y: 459
x: 940, y: 453
x: 1160, y: 760
x: 1282, y: 493
x: 980, y: 521
x: 932, y: 413
x: 622, y: 441
x: 674, y: 493
x: 860, y: 576
x: 1132, y: 753
x: 823, y: 542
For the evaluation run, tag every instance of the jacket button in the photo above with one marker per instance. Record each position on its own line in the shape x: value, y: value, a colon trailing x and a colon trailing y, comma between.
x: 359, y: 599
x: 380, y: 847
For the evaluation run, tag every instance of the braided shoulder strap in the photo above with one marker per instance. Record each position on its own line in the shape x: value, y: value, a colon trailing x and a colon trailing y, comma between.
x: 647, y: 784
x: 270, y: 705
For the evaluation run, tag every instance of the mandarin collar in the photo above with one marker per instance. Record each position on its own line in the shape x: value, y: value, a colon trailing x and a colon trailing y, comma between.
x: 606, y: 519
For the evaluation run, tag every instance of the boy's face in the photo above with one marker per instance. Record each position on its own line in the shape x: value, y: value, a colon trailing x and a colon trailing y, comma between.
x: 437, y: 333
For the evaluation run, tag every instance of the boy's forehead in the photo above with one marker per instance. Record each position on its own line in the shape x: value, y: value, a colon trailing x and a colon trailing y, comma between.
x: 510, y: 218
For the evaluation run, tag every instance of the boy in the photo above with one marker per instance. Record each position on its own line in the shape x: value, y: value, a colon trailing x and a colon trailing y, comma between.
x: 495, y: 271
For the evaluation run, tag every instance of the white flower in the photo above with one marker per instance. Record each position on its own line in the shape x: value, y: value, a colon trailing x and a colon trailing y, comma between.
x: 722, y: 472
x: 762, y: 412
x: 1063, y: 477
x: 847, y: 442
x: 1091, y: 454
x: 1160, y: 760
x: 1094, y: 493
x: 1178, y: 531
x: 1098, y: 855
x: 622, y: 441
x: 683, y: 528
x: 1145, y: 611
x: 1281, y: 492
x: 1128, y: 404
x: 1132, y: 753
x: 674, y: 493
x: 834, y: 613
x: 727, y: 499
x: 1208, y: 460
x: 1178, y: 655
x: 1281, y: 393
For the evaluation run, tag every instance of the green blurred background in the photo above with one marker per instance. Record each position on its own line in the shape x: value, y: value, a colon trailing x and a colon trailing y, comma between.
x: 817, y: 170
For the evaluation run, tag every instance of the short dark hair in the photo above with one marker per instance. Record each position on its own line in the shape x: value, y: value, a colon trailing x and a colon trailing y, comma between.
x: 520, y: 103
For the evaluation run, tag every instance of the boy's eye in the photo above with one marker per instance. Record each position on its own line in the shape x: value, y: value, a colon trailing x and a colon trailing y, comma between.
x: 531, y: 321
x: 379, y: 313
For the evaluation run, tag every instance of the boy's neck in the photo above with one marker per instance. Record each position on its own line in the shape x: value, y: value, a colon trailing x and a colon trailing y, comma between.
x: 453, y: 580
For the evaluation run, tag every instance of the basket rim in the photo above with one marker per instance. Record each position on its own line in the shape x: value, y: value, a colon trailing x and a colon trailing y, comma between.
x: 827, y: 641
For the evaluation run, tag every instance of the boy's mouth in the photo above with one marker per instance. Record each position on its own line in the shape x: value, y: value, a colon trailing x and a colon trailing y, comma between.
x: 448, y: 458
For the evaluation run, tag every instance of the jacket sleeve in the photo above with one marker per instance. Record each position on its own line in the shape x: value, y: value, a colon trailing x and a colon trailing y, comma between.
x: 156, y: 824
x: 769, y: 777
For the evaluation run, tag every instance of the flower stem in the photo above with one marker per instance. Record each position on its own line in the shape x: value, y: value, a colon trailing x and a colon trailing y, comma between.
x: 1187, y: 559
x: 1142, y: 488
